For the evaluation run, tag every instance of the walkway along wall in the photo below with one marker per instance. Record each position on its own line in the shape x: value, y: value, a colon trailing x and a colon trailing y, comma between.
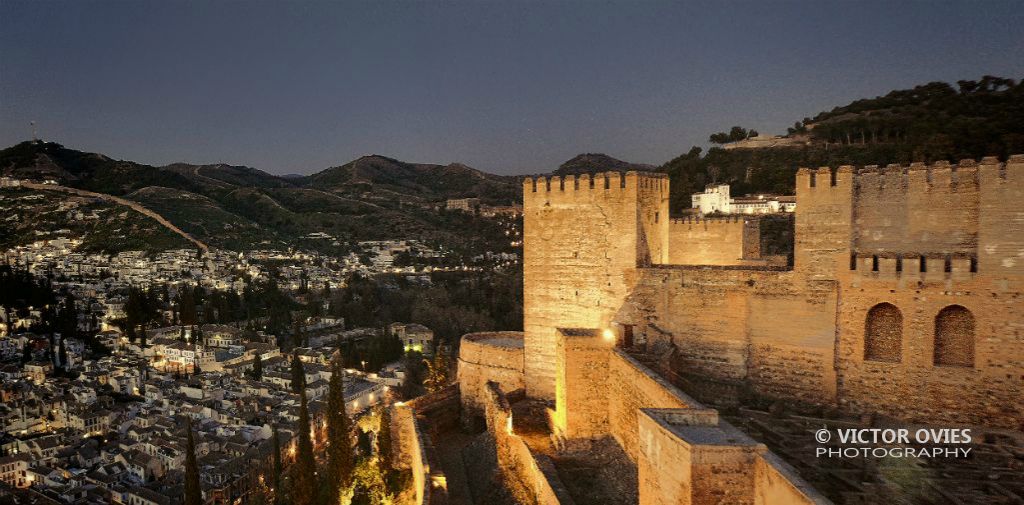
x: 526, y: 473
x: 684, y: 453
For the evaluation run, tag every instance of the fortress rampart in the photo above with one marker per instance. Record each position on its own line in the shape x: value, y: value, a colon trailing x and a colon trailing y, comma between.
x: 585, y: 235
x: 963, y: 210
x: 527, y: 473
x: 684, y: 453
x: 727, y: 240
x: 489, y: 356
x: 922, y: 238
x: 905, y: 298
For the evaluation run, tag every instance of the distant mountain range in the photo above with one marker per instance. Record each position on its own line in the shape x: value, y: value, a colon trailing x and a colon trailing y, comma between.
x: 235, y: 207
x: 376, y: 197
x: 589, y: 163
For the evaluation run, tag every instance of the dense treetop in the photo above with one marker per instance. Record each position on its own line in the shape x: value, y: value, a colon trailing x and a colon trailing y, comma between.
x: 931, y: 122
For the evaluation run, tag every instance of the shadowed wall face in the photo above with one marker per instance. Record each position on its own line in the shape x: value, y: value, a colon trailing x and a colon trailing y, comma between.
x: 954, y: 337
x: 883, y: 333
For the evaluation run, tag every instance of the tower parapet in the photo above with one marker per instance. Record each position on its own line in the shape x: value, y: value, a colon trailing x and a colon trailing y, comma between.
x: 824, y: 216
x: 910, y: 211
x: 583, y: 237
x: 601, y: 180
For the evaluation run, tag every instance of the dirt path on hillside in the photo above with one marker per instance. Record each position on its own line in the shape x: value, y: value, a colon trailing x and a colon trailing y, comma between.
x: 120, y: 201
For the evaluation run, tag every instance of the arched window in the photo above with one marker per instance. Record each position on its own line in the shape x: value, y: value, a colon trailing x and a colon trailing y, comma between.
x: 883, y: 333
x: 954, y: 337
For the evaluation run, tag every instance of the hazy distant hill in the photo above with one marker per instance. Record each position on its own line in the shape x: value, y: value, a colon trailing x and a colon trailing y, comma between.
x: 227, y: 176
x: 422, y: 182
x: 239, y: 207
x: 589, y: 163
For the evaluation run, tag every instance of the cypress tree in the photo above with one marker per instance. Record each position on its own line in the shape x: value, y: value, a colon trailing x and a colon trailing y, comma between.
x: 298, y: 374
x: 385, y: 446
x: 278, y: 468
x: 62, y: 354
x: 340, y: 457
x: 193, y: 490
x: 304, y: 478
x: 257, y: 367
x: 297, y: 334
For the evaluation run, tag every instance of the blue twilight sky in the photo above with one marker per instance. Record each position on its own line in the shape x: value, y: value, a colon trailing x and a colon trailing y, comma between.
x: 507, y: 87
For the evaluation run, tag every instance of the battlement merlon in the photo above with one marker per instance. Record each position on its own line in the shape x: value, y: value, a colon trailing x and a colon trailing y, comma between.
x: 712, y: 220
x: 916, y: 176
x: 609, y: 181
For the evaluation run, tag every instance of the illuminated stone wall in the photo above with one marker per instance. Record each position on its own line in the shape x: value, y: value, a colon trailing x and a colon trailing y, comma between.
x: 582, y: 391
x: 942, y: 245
x: 683, y: 452
x: 583, y: 240
x: 411, y: 451
x: 929, y: 240
x: 632, y: 387
x: 531, y: 477
x: 861, y: 236
x: 707, y: 241
x: 769, y: 331
x: 488, y: 356
x: 983, y: 387
x: 687, y: 457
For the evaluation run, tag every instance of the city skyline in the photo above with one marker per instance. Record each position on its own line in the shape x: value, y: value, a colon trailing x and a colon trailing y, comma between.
x: 508, y: 89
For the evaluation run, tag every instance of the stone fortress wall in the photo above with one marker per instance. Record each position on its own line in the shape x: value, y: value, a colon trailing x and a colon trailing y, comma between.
x: 722, y: 240
x: 484, y: 357
x: 584, y: 238
x: 904, y: 299
x: 802, y: 334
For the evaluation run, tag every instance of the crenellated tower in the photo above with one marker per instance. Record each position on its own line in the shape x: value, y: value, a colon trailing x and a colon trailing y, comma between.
x: 824, y: 223
x: 584, y: 238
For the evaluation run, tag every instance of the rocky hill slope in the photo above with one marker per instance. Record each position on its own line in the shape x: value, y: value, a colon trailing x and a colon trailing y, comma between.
x: 237, y: 207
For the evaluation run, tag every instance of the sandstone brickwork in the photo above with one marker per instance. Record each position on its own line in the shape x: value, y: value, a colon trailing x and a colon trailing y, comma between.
x: 631, y: 387
x: 702, y: 241
x: 763, y: 329
x: 904, y: 298
x: 532, y: 476
x: 581, y: 390
x: 489, y: 356
x: 689, y: 458
x: 584, y: 236
x: 411, y: 452
x: 919, y: 239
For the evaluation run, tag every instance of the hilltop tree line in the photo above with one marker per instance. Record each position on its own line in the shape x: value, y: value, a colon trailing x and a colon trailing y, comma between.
x: 931, y: 122
x: 735, y: 134
x: 452, y: 304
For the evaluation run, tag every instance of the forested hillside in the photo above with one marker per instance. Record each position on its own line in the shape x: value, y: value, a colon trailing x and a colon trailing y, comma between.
x: 934, y: 121
x: 237, y: 207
